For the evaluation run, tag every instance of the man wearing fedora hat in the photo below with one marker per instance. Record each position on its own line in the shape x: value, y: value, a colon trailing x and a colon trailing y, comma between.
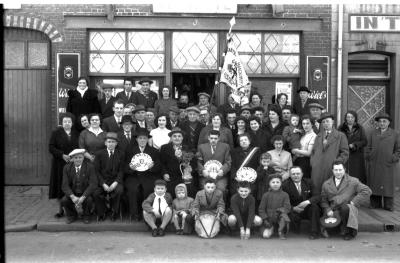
x: 135, y: 178
x: 192, y: 128
x: 109, y: 166
x: 204, y: 100
x: 144, y: 96
x: 140, y: 117
x: 78, y: 183
x: 127, y: 95
x: 126, y: 137
x: 300, y: 105
x: 383, y: 154
x: 345, y: 194
x: 173, y: 115
x: 107, y: 102
x: 330, y: 145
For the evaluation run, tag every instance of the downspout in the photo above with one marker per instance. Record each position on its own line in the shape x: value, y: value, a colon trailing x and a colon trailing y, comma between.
x: 339, y: 64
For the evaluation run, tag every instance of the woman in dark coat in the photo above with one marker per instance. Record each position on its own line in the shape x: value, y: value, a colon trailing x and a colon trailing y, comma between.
x: 63, y: 140
x: 357, y: 139
x: 275, y: 125
x: 259, y: 138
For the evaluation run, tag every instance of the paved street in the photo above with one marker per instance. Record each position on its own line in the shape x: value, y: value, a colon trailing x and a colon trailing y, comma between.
x: 124, y: 246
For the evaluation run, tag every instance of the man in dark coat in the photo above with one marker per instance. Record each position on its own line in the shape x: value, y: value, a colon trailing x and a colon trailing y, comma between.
x: 127, y: 95
x: 107, y: 102
x: 229, y: 107
x: 145, y: 96
x: 79, y: 182
x: 109, y: 166
x: 192, y: 128
x: 137, y: 175
x: 82, y: 100
x: 113, y: 123
x: 301, y: 103
x: 126, y: 137
x: 315, y: 113
x: 173, y: 115
x: 140, y: 117
x: 304, y: 202
x: 230, y: 118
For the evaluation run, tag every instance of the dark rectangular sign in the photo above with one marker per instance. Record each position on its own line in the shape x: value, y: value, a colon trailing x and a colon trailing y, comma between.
x: 318, y: 78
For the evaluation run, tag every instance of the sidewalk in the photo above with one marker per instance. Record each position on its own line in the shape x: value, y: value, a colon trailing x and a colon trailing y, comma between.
x: 28, y: 208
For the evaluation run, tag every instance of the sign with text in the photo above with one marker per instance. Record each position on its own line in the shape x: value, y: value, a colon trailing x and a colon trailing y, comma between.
x: 68, y: 72
x: 317, y: 78
x: 374, y: 23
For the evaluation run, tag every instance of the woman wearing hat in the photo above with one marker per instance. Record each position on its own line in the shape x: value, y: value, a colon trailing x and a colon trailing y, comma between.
x: 357, y: 140
x: 216, y: 124
x: 163, y: 104
x: 383, y: 154
x: 160, y: 134
x: 62, y: 141
x: 144, y: 96
x: 92, y: 139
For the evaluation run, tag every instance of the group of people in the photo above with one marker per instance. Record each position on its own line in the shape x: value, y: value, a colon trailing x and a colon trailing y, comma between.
x: 126, y: 159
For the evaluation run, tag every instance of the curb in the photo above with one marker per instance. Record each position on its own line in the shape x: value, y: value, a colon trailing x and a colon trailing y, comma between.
x: 92, y: 227
x: 20, y: 227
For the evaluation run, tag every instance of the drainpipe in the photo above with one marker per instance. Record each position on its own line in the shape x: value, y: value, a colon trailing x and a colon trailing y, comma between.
x: 339, y: 64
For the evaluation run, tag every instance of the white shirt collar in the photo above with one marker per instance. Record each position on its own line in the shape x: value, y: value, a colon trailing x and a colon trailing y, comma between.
x: 95, y: 132
x: 82, y: 92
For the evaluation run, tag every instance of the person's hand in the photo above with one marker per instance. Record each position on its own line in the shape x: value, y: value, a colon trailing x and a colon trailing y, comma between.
x: 89, y: 156
x: 206, y: 173
x: 112, y: 186
x: 298, y: 209
x: 133, y: 166
x: 183, y: 213
x: 329, y: 213
x: 351, y: 146
x: 220, y: 173
x: 304, y: 204
x: 166, y: 177
x: 66, y: 158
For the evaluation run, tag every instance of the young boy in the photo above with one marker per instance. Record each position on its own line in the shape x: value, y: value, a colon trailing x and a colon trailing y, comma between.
x: 264, y: 170
x: 243, y: 208
x: 181, y: 210
x: 274, y: 208
x: 293, y: 133
x: 157, y: 208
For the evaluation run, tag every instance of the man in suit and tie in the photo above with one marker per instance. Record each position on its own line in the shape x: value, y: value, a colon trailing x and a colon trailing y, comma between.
x: 173, y: 117
x: 126, y: 138
x: 109, y: 166
x: 300, y: 105
x: 113, y: 123
x: 304, y: 202
x: 315, y: 113
x: 230, y: 118
x: 127, y: 95
x: 214, y: 150
x: 107, y: 102
x: 140, y: 116
x: 143, y: 177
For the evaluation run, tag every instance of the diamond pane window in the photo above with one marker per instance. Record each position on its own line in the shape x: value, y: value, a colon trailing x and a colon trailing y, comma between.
x: 107, y: 41
x: 282, y: 64
x: 107, y: 63
x: 194, y: 50
x: 38, y: 54
x: 146, y: 41
x: 248, y: 42
x: 252, y: 63
x: 14, y: 53
x: 282, y: 43
x: 146, y: 62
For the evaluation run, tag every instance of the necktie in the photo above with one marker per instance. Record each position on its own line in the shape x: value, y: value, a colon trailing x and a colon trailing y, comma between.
x: 299, y: 187
x: 111, y: 154
x: 128, y: 95
x: 128, y: 136
x: 213, y: 148
x: 159, y: 205
x: 78, y: 172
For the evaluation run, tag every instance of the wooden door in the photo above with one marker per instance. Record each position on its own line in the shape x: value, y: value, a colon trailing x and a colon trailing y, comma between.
x: 27, y: 107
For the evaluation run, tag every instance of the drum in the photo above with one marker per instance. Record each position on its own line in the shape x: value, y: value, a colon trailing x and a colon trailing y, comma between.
x: 207, y: 226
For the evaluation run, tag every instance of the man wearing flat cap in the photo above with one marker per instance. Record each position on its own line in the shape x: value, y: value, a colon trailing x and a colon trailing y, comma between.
x: 300, y: 105
x: 78, y: 183
x: 140, y: 176
x: 192, y: 128
x: 144, y: 96
x: 140, y: 117
x: 330, y: 145
x: 204, y: 100
x: 107, y: 102
x: 245, y: 111
x: 173, y: 115
x: 315, y: 113
x: 109, y: 166
x: 383, y: 154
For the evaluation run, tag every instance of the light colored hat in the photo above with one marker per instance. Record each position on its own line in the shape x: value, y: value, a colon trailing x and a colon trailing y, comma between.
x: 193, y: 108
x: 76, y: 151
x: 204, y: 94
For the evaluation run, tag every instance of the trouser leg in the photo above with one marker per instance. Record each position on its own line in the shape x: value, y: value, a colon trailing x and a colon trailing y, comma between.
x: 87, y: 205
x: 313, y: 213
x: 69, y: 207
x: 115, y: 197
x: 131, y: 185
x: 388, y: 203
x: 99, y: 200
x: 376, y: 201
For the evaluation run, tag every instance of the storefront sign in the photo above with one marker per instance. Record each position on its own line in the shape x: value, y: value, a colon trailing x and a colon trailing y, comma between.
x: 184, y: 6
x: 317, y: 78
x: 375, y: 23
x: 68, y: 72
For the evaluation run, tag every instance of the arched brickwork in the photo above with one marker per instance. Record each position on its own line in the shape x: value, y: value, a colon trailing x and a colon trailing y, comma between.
x: 34, y: 23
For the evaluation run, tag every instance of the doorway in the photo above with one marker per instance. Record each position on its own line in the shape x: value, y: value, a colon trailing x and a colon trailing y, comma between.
x: 193, y: 83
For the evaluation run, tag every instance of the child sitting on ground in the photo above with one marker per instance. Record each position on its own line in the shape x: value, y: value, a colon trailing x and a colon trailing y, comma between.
x: 264, y: 170
x: 181, y: 211
x: 292, y: 133
x: 243, y: 208
x: 274, y: 208
x: 157, y: 212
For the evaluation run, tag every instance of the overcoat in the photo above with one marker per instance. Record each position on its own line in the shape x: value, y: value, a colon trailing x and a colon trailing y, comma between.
x: 107, y: 108
x: 87, y: 104
x: 322, y: 157
x: 383, y: 153
x: 191, y: 137
x: 89, y: 178
x: 225, y: 135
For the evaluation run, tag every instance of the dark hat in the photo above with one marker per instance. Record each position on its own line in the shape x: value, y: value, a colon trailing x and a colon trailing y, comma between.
x: 245, y: 107
x: 126, y: 118
x: 326, y: 115
x: 303, y: 88
x: 203, y: 93
x: 105, y: 86
x: 160, y: 182
x: 112, y: 135
x: 193, y: 108
x: 139, y: 108
x: 329, y: 222
x: 153, y: 110
x: 315, y: 105
x: 142, y: 132
x: 383, y: 116
x: 145, y: 80
x: 174, y: 109
x: 182, y: 106
x: 176, y: 130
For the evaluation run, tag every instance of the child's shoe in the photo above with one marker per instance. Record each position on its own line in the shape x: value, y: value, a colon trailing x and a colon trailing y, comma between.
x: 154, y: 232
x: 267, y: 233
x: 282, y: 235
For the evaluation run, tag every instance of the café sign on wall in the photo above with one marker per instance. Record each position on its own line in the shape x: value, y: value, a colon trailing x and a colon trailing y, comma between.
x: 374, y: 23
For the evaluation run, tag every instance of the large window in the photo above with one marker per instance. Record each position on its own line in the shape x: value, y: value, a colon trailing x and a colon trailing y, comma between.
x: 126, y: 52
x: 26, y: 54
x: 269, y: 53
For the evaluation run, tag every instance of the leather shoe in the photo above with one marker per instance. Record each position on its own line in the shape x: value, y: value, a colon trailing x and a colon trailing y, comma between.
x: 70, y: 219
x: 154, y: 232
x: 101, y: 218
x: 161, y: 232
x: 324, y: 233
x: 313, y: 236
x: 59, y: 214
x: 86, y: 220
x: 348, y: 237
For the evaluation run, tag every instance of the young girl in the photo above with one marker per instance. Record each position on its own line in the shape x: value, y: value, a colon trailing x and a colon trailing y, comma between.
x: 274, y: 208
x: 181, y: 210
x: 293, y: 133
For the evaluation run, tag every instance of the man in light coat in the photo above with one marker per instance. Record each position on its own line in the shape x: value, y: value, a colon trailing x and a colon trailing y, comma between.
x: 344, y: 194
